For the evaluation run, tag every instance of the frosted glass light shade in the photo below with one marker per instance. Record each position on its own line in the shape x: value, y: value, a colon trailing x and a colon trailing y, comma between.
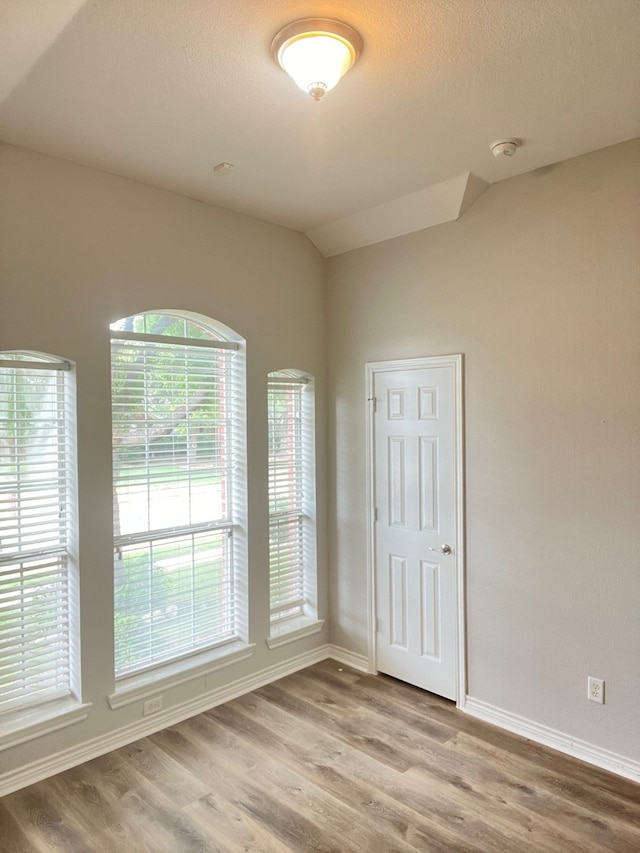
x: 316, y: 53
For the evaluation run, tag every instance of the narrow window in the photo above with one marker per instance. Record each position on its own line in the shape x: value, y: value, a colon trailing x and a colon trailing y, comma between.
x: 37, y: 572
x: 292, y: 550
x: 178, y: 425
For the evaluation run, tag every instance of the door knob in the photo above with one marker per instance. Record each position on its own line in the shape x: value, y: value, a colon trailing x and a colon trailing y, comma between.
x: 443, y: 549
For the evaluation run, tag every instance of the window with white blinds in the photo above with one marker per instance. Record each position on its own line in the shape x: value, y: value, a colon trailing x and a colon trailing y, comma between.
x: 291, y: 495
x: 177, y: 416
x: 36, y: 486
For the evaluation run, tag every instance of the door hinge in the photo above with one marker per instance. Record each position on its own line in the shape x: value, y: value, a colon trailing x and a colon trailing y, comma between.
x: 375, y: 514
x: 374, y: 404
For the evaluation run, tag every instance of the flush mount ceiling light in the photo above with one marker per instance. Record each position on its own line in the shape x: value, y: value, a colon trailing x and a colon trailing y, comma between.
x: 316, y: 53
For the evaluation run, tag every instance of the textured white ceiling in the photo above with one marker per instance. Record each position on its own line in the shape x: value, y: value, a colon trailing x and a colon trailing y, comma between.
x: 162, y: 90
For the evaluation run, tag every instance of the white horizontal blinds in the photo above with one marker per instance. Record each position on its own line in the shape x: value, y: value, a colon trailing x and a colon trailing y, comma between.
x: 173, y: 465
x: 34, y: 515
x: 171, y: 429
x: 286, y: 497
x: 173, y: 596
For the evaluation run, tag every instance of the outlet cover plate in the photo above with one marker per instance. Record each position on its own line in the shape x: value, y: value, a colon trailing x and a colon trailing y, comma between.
x: 152, y: 706
x: 595, y: 689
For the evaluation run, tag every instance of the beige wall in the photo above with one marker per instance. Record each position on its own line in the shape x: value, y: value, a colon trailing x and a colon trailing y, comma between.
x: 538, y: 285
x: 78, y: 249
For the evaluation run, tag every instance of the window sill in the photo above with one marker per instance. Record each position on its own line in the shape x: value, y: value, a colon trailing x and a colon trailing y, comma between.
x: 296, y: 629
x: 18, y: 727
x: 133, y: 688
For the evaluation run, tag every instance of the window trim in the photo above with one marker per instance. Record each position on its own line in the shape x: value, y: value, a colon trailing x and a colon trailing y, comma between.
x: 296, y: 629
x: 22, y: 726
x: 141, y: 685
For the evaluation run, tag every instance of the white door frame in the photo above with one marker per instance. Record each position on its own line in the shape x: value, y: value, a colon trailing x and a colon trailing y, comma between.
x: 373, y: 368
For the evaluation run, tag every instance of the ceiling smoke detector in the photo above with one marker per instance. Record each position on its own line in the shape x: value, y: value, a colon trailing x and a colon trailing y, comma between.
x: 505, y: 147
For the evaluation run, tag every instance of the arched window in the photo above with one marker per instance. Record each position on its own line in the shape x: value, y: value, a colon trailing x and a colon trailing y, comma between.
x: 292, y: 529
x: 178, y: 462
x: 37, y: 507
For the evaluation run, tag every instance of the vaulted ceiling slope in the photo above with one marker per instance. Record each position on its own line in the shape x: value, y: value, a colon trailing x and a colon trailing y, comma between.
x: 161, y: 92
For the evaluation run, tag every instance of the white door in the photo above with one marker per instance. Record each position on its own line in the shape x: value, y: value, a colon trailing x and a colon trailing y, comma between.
x: 417, y: 542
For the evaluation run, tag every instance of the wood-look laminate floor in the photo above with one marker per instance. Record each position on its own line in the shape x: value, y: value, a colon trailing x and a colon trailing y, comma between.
x: 327, y: 759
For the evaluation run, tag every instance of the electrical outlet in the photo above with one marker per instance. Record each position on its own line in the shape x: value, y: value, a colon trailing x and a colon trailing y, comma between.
x: 152, y: 706
x: 595, y: 689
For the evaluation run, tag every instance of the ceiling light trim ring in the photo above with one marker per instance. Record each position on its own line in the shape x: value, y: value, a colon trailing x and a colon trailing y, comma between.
x: 323, y: 26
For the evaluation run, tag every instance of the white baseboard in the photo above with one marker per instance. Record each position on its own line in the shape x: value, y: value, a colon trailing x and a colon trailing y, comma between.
x: 607, y: 760
x: 53, y: 764
x: 43, y: 768
x: 360, y: 662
